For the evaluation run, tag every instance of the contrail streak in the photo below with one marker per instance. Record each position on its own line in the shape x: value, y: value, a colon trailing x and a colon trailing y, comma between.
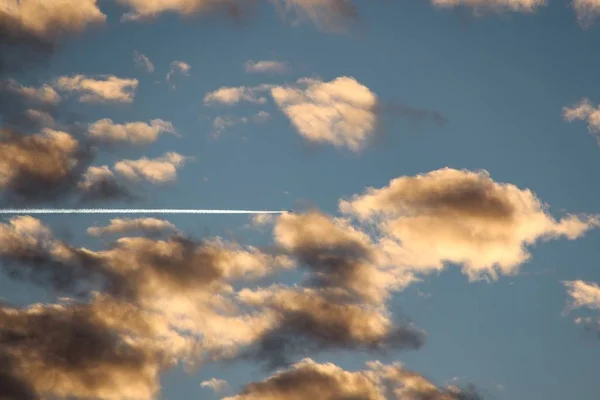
x: 130, y: 211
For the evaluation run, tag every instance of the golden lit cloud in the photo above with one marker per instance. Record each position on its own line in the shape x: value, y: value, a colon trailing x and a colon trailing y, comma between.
x: 96, y: 90
x: 460, y: 217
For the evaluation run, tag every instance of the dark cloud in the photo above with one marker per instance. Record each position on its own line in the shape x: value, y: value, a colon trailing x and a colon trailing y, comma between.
x: 50, y: 167
x: 75, y: 350
x: 314, y: 320
x: 31, y: 31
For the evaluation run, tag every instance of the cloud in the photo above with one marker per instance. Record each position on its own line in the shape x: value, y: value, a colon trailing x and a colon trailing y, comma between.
x: 100, y: 350
x: 307, y: 379
x: 332, y: 15
x: 584, y: 111
x: 159, y: 170
x: 262, y: 116
x: 233, y: 95
x: 494, y: 5
x: 316, y: 319
x: 222, y: 123
x: 44, y: 94
x: 329, y: 15
x: 52, y: 166
x: 218, y: 385
x: 178, y: 66
x: 339, y: 256
x: 39, y: 119
x: 587, y: 11
x: 39, y: 167
x: 341, y: 112
x: 142, y: 61
x: 99, y: 184
x: 27, y: 107
x: 262, y: 219
x: 29, y: 251
x: 102, y: 89
x: 29, y: 29
x: 139, y: 133
x: 460, y: 217
x: 184, y: 283
x: 143, y: 9
x: 123, y: 225
x: 265, y: 66
x: 584, y: 295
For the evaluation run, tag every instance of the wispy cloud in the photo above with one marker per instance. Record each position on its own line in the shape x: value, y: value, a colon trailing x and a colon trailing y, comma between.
x: 180, y: 67
x: 332, y: 15
x: 234, y: 95
x: 493, y: 5
x: 265, y: 66
x: 218, y: 385
x: 143, y: 62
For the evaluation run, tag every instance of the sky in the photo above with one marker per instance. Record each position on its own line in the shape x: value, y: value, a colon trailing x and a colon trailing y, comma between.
x: 438, y: 158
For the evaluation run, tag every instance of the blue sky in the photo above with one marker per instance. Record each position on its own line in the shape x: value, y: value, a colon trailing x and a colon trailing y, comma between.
x: 501, y: 79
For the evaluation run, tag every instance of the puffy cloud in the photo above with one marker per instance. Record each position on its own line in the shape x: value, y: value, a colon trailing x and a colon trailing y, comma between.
x: 584, y: 111
x: 38, y: 166
x: 99, y: 184
x: 100, y: 350
x: 50, y: 18
x: 102, y: 89
x: 497, y: 5
x: 182, y: 282
x: 265, y: 66
x: 43, y: 94
x: 309, y: 379
x: 26, y: 107
x: 142, y: 61
x: 188, y: 283
x: 51, y: 166
x: 159, y: 170
x: 233, y: 95
x: 123, y: 225
x: 306, y: 318
x: 140, y: 133
x: 29, y: 28
x: 30, y: 251
x: 218, y: 385
x: 461, y: 217
x: 339, y: 256
x: 341, y: 112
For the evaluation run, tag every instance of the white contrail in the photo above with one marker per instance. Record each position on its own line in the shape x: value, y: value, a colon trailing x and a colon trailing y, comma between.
x: 130, y: 211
